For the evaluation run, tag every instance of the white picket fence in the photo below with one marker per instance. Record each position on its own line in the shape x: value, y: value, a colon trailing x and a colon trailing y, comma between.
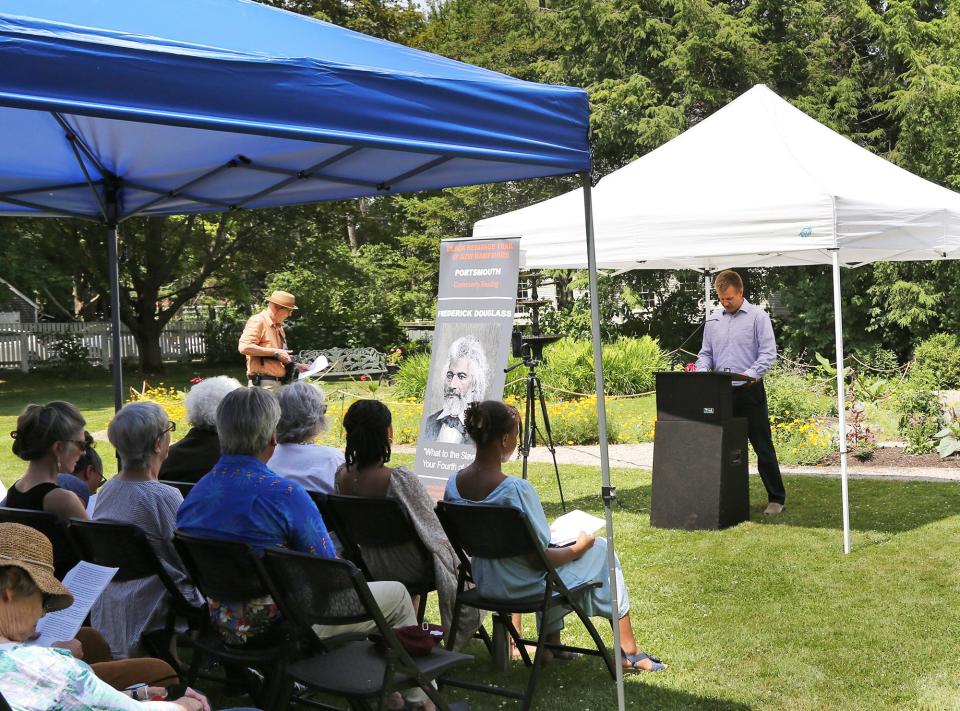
x: 23, y: 345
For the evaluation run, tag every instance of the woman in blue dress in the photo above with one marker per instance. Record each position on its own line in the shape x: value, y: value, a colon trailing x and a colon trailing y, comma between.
x: 494, y: 428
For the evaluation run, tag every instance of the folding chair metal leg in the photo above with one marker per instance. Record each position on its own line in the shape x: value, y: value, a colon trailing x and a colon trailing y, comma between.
x: 196, y: 660
x: 597, y: 640
x: 516, y: 636
x: 452, y: 635
x: 538, y: 659
x: 274, y: 687
x: 484, y: 637
x: 422, y: 607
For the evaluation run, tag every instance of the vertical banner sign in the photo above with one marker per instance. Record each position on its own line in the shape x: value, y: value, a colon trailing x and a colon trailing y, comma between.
x: 471, y: 342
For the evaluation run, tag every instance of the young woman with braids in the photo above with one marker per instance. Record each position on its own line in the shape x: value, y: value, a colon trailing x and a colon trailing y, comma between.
x: 494, y: 427
x: 369, y: 436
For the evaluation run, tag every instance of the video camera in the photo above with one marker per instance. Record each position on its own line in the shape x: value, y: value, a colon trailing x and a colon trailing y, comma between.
x: 530, y: 348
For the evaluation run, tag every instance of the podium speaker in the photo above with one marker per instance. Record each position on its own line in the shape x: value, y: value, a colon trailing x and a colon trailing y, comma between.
x: 700, y: 454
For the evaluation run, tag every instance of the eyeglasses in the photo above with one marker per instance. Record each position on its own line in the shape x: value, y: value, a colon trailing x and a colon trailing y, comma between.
x: 171, y: 427
x: 80, y: 444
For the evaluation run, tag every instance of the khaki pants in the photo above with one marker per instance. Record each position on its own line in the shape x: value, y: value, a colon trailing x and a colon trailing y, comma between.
x: 122, y: 673
x: 395, y: 604
x: 271, y: 385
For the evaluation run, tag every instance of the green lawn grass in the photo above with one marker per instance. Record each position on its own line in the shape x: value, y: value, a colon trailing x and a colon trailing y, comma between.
x: 771, y: 614
x: 768, y: 614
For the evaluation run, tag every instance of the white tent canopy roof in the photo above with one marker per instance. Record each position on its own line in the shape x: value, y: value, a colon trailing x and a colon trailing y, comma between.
x: 758, y: 183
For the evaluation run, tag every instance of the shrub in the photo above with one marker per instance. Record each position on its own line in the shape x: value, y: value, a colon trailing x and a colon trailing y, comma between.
x: 574, y: 422
x: 411, y: 378
x: 861, y: 442
x: 948, y: 439
x: 628, y: 366
x: 220, y: 341
x: 801, y: 441
x: 878, y: 359
x: 792, y: 395
x: 936, y: 362
x: 920, y: 418
x: 71, y: 356
x: 167, y: 397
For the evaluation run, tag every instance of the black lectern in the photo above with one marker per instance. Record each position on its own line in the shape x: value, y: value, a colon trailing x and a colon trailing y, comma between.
x: 699, y: 453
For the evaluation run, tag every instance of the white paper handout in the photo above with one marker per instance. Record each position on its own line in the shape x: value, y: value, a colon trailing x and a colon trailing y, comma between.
x: 316, y: 366
x: 566, y: 529
x: 86, y: 581
x: 91, y: 505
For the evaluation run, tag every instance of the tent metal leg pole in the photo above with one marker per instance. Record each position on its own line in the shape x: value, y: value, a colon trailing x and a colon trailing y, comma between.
x: 706, y: 293
x: 114, y: 266
x: 608, y: 492
x: 841, y: 401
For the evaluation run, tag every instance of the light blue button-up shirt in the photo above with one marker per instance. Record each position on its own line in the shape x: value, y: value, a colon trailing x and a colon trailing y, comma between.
x: 741, y: 342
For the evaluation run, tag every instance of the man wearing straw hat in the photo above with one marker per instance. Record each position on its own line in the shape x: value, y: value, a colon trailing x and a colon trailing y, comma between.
x: 265, y: 344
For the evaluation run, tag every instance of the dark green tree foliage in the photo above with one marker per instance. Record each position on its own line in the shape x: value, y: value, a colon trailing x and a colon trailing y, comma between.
x: 885, y: 73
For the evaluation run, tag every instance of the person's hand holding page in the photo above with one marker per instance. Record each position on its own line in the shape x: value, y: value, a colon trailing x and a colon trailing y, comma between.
x: 584, y: 542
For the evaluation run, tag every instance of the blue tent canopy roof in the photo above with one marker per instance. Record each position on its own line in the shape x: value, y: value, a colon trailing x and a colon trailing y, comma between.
x: 201, y: 105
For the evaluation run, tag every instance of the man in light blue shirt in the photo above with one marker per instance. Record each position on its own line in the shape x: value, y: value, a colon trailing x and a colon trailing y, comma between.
x: 738, y: 338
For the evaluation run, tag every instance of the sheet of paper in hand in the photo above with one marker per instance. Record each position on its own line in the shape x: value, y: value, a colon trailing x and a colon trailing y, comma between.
x: 86, y: 581
x: 566, y: 529
x: 320, y: 364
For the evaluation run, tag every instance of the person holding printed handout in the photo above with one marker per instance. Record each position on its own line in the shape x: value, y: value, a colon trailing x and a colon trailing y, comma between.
x: 738, y: 338
x: 494, y: 428
x: 36, y: 677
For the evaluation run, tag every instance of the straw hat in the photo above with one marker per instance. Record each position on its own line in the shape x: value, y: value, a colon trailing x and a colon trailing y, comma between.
x: 28, y: 549
x: 284, y: 299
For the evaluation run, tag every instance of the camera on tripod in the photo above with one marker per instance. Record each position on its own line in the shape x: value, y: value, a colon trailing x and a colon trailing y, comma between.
x: 530, y: 348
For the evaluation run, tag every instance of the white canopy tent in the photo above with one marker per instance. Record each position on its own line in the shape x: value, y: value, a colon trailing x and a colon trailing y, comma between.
x: 758, y: 183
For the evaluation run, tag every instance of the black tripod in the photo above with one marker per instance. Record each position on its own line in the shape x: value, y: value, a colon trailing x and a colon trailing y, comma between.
x: 529, y: 424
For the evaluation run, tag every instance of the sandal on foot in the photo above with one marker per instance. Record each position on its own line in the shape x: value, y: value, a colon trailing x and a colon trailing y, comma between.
x: 634, y: 659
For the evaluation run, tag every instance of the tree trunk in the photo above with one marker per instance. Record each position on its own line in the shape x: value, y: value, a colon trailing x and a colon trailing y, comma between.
x: 147, y: 336
x: 561, y: 281
x: 352, y: 235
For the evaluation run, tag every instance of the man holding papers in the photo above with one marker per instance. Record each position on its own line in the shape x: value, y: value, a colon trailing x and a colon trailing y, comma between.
x: 264, y: 343
x: 738, y: 338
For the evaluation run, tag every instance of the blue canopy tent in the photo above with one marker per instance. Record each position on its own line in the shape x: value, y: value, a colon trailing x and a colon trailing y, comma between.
x: 112, y: 109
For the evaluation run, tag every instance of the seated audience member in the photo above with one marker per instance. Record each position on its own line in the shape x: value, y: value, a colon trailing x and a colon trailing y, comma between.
x: 242, y: 499
x: 34, y: 677
x: 51, y: 438
x: 369, y: 436
x: 128, y: 609
x: 494, y: 428
x: 195, y: 454
x: 87, y: 476
x: 297, y: 457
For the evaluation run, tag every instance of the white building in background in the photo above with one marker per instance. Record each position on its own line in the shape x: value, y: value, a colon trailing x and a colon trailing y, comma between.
x: 15, y: 306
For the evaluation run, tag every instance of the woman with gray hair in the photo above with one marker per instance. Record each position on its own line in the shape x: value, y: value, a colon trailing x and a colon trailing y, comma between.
x: 243, y: 499
x: 195, y: 454
x: 297, y: 456
x: 128, y: 610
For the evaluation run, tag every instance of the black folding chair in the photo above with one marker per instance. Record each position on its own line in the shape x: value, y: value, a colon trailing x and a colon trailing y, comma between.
x: 183, y: 487
x: 368, y: 523
x: 320, y: 501
x: 497, y: 532
x: 65, y: 553
x: 124, y: 546
x: 228, y: 571
x: 328, y: 591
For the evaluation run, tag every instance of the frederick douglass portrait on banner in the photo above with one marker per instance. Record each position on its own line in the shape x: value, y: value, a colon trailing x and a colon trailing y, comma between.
x: 460, y: 381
